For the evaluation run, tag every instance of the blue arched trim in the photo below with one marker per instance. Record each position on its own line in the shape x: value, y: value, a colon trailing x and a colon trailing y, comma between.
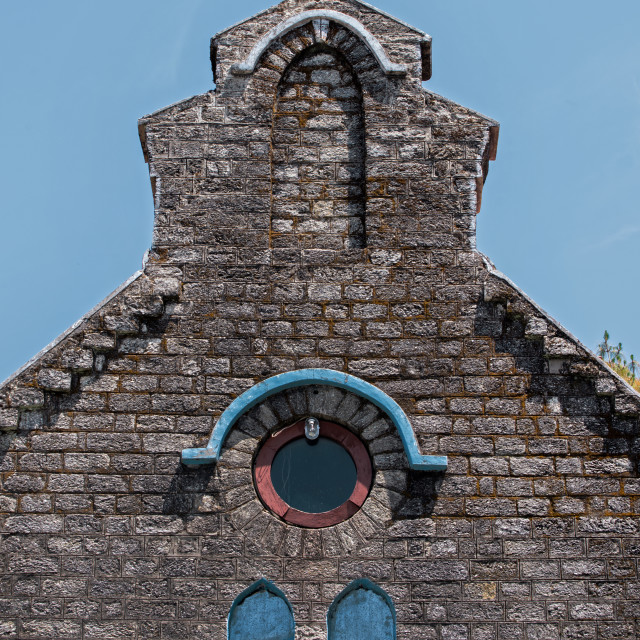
x: 303, y: 377
x: 360, y: 583
x: 266, y: 585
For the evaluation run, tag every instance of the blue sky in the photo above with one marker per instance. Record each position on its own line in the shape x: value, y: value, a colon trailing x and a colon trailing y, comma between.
x: 560, y: 211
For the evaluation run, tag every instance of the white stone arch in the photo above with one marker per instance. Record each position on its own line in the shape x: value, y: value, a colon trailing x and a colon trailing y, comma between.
x: 319, y: 17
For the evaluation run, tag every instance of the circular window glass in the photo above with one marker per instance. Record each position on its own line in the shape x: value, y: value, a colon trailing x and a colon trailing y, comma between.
x: 313, y: 482
x: 313, y: 475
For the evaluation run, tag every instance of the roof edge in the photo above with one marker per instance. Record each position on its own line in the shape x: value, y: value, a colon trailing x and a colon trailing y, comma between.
x: 491, y: 268
x: 143, y: 119
x: 56, y: 341
x: 490, y: 121
x: 356, y: 2
x: 391, y: 17
x: 217, y: 34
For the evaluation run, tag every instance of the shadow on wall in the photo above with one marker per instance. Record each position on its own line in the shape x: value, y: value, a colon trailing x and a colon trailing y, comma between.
x: 318, y: 155
x: 516, y: 411
x: 397, y: 492
x: 316, y: 91
x: 554, y: 399
x: 544, y: 417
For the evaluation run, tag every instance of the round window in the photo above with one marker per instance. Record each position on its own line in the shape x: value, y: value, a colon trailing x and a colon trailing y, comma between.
x: 313, y: 482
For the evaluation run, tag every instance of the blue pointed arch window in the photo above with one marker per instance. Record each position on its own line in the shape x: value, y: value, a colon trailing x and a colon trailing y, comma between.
x: 362, y: 611
x: 261, y: 612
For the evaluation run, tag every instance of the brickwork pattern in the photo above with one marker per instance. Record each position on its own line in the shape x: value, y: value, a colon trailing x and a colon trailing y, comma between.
x: 532, y: 533
x: 318, y: 156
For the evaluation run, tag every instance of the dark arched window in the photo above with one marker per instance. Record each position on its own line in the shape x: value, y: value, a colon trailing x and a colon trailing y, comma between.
x: 363, y: 611
x: 261, y: 612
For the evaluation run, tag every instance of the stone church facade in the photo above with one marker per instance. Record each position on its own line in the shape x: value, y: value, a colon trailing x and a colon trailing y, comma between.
x: 314, y: 256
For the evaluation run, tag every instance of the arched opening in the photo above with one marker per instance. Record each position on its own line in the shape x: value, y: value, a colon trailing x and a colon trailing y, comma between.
x: 363, y: 611
x: 261, y: 612
x: 318, y: 154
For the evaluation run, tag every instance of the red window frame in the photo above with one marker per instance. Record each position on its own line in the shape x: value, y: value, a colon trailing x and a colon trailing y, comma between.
x: 264, y: 486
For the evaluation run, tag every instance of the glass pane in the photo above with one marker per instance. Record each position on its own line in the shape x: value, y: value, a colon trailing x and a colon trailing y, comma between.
x: 313, y: 475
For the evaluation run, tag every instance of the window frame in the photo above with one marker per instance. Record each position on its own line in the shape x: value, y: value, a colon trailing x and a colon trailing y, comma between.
x: 269, y: 496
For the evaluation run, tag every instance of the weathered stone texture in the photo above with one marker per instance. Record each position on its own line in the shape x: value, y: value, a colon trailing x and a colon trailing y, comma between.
x: 318, y: 213
x: 318, y: 156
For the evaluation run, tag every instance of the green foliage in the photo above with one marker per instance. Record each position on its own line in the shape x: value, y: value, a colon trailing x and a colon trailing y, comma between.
x: 616, y: 360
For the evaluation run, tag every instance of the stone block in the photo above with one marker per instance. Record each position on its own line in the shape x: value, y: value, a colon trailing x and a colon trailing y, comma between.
x: 9, y: 419
x: 27, y: 398
x: 54, y: 380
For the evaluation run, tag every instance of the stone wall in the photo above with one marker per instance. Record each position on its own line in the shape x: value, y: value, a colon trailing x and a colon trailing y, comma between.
x: 318, y: 155
x: 258, y: 266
